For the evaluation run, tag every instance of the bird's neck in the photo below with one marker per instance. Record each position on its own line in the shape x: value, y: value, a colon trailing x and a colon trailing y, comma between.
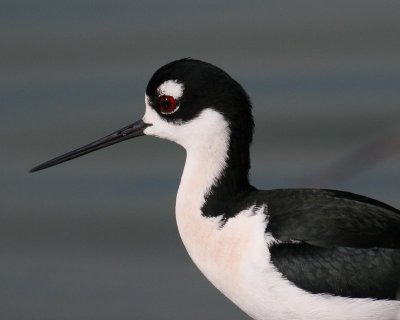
x: 215, y: 177
x: 208, y: 185
x: 225, y: 195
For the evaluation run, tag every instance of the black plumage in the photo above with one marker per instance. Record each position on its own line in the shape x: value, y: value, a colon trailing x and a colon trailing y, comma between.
x: 329, y: 218
x: 329, y: 241
x: 344, y: 244
x: 342, y: 271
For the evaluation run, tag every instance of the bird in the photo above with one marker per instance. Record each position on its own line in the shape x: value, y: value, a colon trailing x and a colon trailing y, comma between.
x: 280, y: 254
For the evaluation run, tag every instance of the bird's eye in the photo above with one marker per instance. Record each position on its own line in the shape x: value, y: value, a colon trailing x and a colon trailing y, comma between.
x: 167, y: 105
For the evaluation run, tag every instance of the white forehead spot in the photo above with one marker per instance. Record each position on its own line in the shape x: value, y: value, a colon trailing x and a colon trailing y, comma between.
x: 171, y: 88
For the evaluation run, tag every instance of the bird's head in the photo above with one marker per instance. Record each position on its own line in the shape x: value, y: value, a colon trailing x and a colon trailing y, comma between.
x: 190, y: 102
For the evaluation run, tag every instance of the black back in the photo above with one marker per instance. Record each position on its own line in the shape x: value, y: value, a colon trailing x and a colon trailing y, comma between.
x: 329, y: 218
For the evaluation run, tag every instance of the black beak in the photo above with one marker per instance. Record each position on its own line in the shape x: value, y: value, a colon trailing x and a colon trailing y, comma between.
x: 133, y: 130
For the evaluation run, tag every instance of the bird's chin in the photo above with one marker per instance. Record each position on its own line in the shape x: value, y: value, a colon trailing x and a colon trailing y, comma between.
x: 160, y: 128
x: 161, y: 133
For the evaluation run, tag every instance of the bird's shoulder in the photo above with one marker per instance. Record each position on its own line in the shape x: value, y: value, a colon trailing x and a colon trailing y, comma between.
x: 328, y: 218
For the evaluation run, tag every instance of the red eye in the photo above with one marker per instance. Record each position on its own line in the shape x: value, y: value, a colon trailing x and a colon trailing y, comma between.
x: 167, y: 104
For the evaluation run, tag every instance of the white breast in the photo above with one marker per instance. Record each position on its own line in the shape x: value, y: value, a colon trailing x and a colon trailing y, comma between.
x: 223, y: 254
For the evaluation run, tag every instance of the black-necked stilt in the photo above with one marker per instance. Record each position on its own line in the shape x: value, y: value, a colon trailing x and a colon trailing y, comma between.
x: 278, y: 254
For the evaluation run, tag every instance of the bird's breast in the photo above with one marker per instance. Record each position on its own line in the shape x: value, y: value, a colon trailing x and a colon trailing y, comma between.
x: 223, y: 252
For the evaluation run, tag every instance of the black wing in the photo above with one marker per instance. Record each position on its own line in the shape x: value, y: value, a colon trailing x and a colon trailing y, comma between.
x: 335, y: 242
x: 342, y: 271
x: 328, y: 218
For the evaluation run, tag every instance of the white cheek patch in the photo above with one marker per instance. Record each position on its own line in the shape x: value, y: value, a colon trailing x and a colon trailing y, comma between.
x: 197, y: 133
x: 171, y: 88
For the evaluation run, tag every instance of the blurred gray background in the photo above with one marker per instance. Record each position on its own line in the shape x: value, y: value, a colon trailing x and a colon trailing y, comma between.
x: 95, y: 238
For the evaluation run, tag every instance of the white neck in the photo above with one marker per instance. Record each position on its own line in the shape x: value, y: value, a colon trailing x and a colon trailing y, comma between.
x: 206, y: 140
x: 205, y: 162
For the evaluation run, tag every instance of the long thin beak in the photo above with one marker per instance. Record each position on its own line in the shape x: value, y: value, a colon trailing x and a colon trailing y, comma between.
x: 133, y: 130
